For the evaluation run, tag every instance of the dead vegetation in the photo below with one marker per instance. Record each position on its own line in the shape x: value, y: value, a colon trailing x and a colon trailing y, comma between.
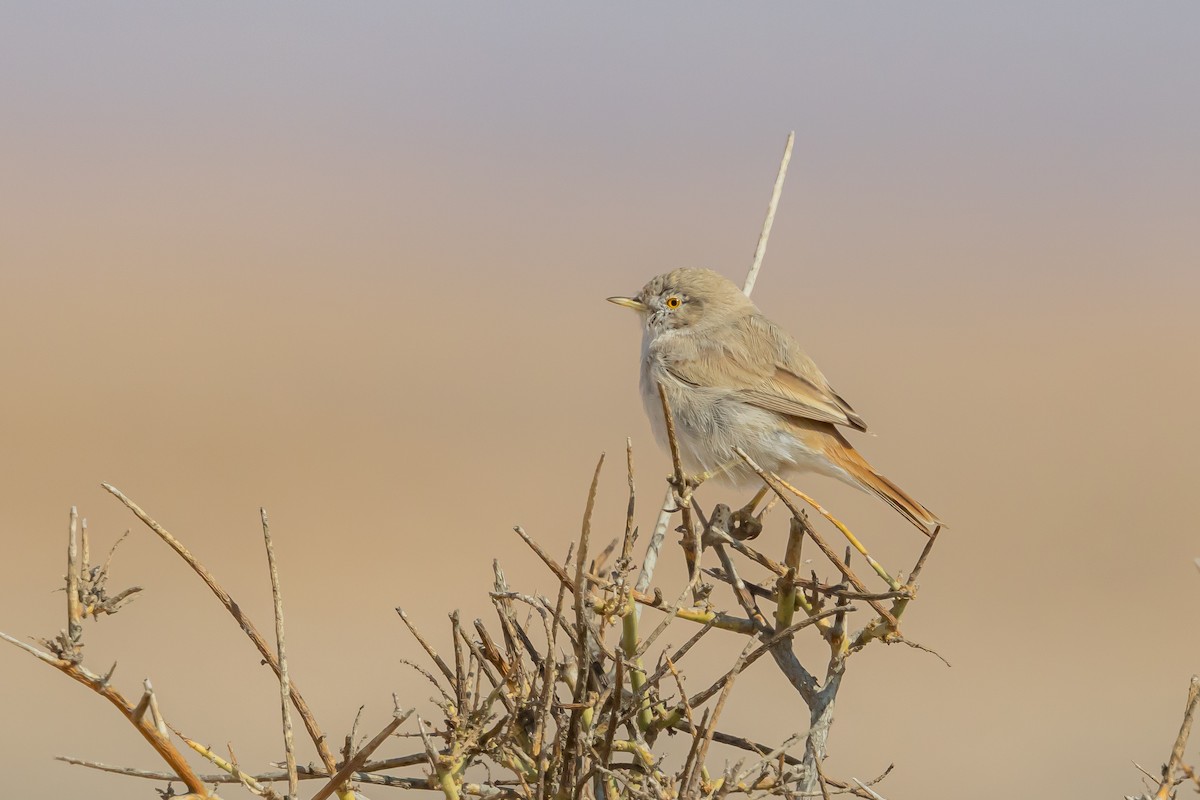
x: 571, y: 695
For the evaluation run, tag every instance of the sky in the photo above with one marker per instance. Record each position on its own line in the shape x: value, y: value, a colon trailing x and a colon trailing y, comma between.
x: 348, y: 263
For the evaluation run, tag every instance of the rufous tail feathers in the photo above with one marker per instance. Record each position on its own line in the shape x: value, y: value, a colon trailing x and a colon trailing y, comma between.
x: 865, y: 476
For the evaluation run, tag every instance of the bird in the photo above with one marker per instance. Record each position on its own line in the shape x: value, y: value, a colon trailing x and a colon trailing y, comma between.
x: 735, y: 379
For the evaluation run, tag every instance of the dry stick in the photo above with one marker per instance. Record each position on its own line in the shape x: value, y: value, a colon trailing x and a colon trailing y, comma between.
x: 231, y: 767
x: 821, y: 779
x: 835, y: 591
x: 475, y: 789
x: 161, y: 744
x: 343, y: 775
x: 772, y: 480
x: 683, y: 698
x: 925, y: 551
x: 744, y: 598
x: 785, y: 659
x: 865, y: 785
x: 74, y: 608
x: 491, y: 652
x: 310, y: 722
x: 155, y: 715
x: 779, y: 756
x: 512, y: 629
x: 445, y: 779
x: 700, y: 616
x: 85, y: 555
x: 675, y: 657
x: 691, y: 550
x: 871, y: 793
x: 1168, y: 774
x: 630, y: 617
x: 582, y: 654
x: 837, y: 635
x: 671, y: 613
x: 695, y: 615
x: 306, y: 773
x: 111, y: 552
x: 656, y: 539
x: 289, y: 744
x: 581, y: 559
x: 558, y: 571
x: 875, y: 565
x: 874, y: 629
x: 617, y: 694
x: 504, y: 612
x: 549, y: 682
x: 712, y: 723
x: 426, y: 645
x: 761, y: 249
x: 348, y: 747
x: 742, y: 743
x: 689, y: 764
x: 752, y: 554
x: 627, y: 542
x: 767, y: 644
x: 149, y: 774
x: 485, y: 668
x: 461, y: 689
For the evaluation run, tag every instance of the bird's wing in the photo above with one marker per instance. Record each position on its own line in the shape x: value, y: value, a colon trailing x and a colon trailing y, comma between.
x: 764, y: 367
x: 795, y: 395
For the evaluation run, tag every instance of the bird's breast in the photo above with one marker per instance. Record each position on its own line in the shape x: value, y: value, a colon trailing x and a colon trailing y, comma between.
x: 710, y: 422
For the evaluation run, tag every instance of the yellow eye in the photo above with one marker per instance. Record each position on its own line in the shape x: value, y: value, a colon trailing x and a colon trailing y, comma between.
x: 673, y: 302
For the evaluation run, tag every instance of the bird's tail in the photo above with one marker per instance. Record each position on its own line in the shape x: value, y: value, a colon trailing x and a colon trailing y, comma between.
x: 865, y: 476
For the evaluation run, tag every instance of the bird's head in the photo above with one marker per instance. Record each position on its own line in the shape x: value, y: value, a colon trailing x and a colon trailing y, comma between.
x: 686, y: 299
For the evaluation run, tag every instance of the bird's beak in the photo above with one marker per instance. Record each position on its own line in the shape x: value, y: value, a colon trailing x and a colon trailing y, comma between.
x: 629, y: 302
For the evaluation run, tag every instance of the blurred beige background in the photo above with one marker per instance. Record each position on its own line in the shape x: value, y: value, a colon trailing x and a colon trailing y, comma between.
x: 349, y: 263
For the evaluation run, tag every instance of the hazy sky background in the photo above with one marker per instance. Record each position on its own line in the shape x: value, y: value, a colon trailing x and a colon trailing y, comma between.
x: 348, y: 262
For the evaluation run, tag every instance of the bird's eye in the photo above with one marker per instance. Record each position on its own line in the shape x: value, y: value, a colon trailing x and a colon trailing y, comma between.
x: 673, y: 302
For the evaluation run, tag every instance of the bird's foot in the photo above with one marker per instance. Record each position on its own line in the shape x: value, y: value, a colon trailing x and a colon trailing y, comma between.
x: 690, y: 483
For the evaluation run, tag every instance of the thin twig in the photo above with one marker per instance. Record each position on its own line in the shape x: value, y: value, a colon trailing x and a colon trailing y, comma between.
x: 850, y: 537
x: 252, y: 785
x: 691, y: 548
x: 768, y: 643
x: 360, y: 758
x: 426, y: 646
x: 298, y: 701
x: 777, y: 486
x: 650, y: 561
x: 702, y: 754
x: 145, y: 727
x: 1185, y: 729
x: 285, y: 685
x: 74, y: 608
x: 761, y: 249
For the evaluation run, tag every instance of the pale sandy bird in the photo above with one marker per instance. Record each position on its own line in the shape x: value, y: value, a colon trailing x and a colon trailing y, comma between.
x: 735, y: 379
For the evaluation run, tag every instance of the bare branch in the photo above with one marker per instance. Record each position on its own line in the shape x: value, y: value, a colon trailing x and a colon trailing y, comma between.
x: 1185, y: 729
x: 350, y: 767
x: 761, y: 249
x: 310, y: 722
x: 149, y: 731
x: 285, y: 684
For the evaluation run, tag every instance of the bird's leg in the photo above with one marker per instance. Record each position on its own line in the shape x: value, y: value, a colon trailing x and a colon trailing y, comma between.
x: 690, y: 483
x: 745, y: 525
